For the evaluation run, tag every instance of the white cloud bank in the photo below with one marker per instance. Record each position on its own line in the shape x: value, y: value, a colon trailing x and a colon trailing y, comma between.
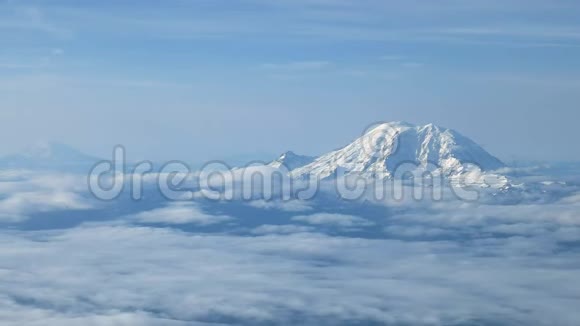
x: 340, y: 220
x: 281, y: 229
x: 18, y: 206
x: 483, y: 264
x: 287, y: 206
x: 180, y: 213
x: 137, y: 275
x: 23, y: 193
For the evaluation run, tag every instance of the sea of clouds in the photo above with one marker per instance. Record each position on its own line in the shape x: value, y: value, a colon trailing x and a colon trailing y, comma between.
x: 263, y: 262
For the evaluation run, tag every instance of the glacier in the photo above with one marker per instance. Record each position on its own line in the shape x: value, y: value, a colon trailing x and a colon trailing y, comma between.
x: 391, y: 149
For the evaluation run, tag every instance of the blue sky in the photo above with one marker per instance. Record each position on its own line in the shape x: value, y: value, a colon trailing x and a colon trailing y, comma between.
x: 197, y: 80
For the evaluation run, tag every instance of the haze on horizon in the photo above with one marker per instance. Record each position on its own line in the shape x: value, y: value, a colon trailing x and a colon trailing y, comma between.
x: 197, y: 80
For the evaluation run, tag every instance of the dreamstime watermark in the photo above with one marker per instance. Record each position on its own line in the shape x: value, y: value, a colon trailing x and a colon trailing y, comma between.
x: 356, y: 173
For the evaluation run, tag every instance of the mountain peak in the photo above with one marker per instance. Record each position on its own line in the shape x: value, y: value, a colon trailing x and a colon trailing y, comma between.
x: 392, y: 125
x: 289, y: 154
x: 390, y: 145
x: 48, y: 155
x: 49, y: 150
x: 291, y: 160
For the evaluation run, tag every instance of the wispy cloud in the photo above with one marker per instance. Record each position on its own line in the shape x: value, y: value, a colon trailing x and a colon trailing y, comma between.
x: 281, y: 229
x: 180, y: 213
x: 26, y: 18
x: 529, y: 31
x: 297, y: 66
x: 392, y: 57
x: 287, y: 206
x: 24, y: 193
x: 340, y: 220
x: 18, y: 207
x: 7, y: 65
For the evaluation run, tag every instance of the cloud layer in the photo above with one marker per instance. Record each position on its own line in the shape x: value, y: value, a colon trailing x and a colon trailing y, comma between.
x: 286, y: 262
x: 122, y: 274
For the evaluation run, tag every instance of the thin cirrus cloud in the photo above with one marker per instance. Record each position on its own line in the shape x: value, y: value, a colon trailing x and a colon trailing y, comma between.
x: 297, y: 66
x: 290, y: 60
x: 330, y: 20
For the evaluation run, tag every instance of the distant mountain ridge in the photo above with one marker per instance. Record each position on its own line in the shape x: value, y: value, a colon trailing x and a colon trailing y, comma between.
x: 50, y: 156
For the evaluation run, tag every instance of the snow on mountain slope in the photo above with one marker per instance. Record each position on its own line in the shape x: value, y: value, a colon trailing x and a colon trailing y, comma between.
x: 291, y: 161
x: 391, y: 148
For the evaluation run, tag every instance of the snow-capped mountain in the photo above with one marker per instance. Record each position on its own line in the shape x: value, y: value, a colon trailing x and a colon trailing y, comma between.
x: 397, y: 147
x: 49, y: 155
x: 291, y: 161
